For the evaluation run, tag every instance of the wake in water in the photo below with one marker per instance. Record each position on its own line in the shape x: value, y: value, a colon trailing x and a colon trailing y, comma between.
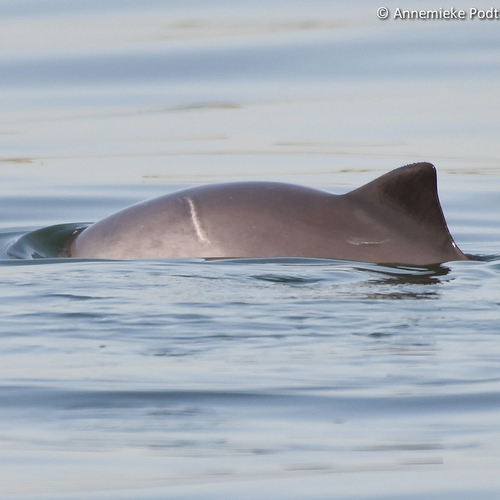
x: 49, y: 243
x: 45, y: 243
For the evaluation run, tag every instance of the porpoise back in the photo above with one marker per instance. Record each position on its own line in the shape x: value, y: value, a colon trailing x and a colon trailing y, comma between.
x: 396, y: 218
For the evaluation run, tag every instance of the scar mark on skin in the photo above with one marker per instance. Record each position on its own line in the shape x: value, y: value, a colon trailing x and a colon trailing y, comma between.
x: 359, y: 242
x: 196, y: 222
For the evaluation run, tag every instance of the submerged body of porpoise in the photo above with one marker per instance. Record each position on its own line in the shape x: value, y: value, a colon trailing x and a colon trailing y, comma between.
x: 396, y: 218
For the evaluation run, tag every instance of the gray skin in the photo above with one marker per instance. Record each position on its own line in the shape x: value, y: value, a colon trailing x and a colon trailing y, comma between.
x: 396, y: 218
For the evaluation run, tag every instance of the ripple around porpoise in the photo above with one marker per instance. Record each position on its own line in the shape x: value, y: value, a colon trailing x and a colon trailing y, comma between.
x: 45, y: 243
x: 48, y: 243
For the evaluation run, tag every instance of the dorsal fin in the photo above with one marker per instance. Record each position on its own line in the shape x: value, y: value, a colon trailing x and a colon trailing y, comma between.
x: 411, y: 190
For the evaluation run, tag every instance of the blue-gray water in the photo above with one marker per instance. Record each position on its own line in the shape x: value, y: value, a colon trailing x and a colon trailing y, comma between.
x: 243, y: 379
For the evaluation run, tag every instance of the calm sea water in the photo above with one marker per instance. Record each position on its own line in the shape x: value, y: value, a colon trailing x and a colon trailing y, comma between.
x: 283, y: 378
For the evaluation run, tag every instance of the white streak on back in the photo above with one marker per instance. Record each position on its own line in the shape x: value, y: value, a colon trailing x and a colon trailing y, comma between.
x: 196, y: 222
x: 360, y: 241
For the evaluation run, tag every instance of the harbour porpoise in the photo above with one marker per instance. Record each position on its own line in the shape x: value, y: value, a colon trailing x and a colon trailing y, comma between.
x: 394, y: 219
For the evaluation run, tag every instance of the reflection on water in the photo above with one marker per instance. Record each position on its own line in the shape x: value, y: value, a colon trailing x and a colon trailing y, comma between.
x: 407, y: 282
